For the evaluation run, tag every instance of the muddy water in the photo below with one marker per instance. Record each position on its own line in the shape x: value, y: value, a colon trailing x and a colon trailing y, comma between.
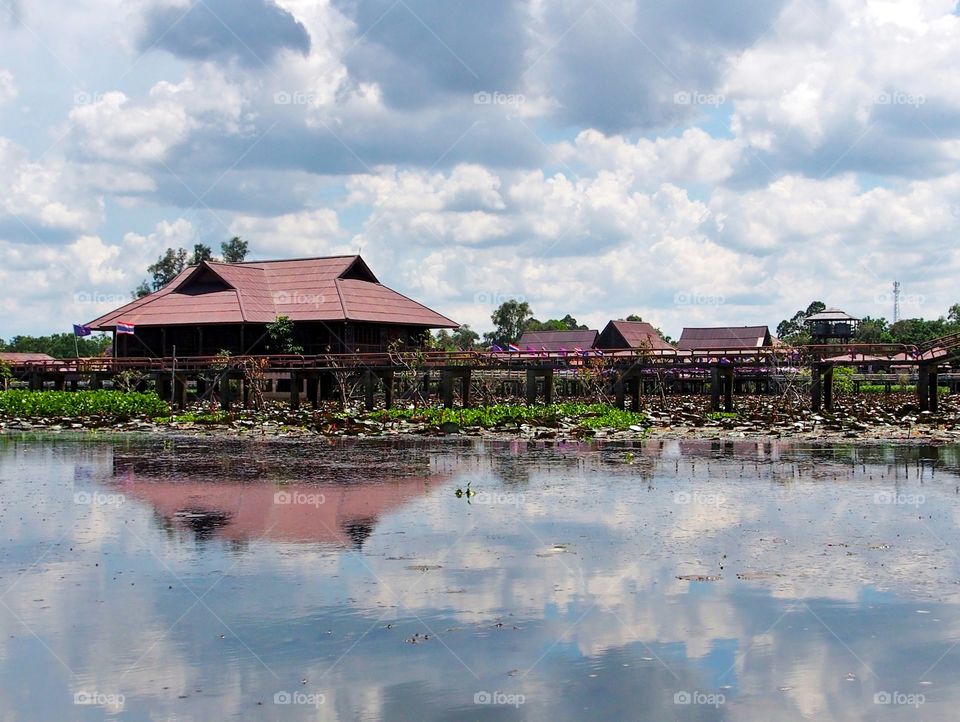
x: 201, y: 580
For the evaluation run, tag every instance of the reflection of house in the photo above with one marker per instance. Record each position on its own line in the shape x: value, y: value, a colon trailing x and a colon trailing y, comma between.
x: 724, y: 338
x: 336, y: 305
x: 340, y: 514
x: 631, y: 335
x: 557, y: 340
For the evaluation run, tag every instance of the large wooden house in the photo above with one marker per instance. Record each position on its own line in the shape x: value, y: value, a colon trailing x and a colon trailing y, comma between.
x: 336, y: 305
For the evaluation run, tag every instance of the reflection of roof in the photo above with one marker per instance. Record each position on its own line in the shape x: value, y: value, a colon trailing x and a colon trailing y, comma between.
x: 557, y: 340
x: 830, y: 314
x: 342, y: 514
x: 339, y: 288
x: 724, y: 337
x: 636, y: 334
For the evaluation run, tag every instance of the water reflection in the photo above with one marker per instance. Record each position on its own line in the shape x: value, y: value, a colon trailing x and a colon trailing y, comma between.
x: 171, y: 573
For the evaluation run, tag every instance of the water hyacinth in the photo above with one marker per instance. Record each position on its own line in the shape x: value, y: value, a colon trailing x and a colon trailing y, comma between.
x: 102, y: 403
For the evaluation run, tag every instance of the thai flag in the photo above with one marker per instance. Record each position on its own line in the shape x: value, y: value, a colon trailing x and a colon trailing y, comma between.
x: 124, y: 328
x: 79, y: 330
x: 496, y: 349
x: 513, y: 347
x: 599, y: 352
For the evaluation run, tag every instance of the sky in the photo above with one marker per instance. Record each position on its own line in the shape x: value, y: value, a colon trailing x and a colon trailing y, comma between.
x: 696, y: 163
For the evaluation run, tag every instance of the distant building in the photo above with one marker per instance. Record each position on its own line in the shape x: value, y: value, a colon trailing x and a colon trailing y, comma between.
x: 557, y: 340
x: 15, y: 359
x: 631, y: 335
x: 832, y: 324
x: 724, y: 338
x: 336, y: 305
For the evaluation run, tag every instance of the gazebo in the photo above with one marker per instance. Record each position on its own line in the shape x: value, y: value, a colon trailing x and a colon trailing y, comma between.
x: 832, y: 324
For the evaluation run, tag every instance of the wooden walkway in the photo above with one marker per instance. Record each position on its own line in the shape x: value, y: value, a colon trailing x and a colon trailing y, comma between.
x: 630, y: 373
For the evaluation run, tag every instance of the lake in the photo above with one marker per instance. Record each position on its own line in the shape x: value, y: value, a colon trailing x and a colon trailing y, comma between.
x: 146, y: 578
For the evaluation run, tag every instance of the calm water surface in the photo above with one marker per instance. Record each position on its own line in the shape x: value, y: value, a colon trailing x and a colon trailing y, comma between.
x: 166, y: 579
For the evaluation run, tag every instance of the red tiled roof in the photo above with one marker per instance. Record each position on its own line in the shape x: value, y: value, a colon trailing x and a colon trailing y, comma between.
x: 340, y: 288
x: 637, y: 334
x: 724, y: 337
x: 556, y: 340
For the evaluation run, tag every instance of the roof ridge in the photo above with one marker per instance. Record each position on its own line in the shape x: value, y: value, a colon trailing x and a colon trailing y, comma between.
x: 343, y: 303
x: 285, y: 260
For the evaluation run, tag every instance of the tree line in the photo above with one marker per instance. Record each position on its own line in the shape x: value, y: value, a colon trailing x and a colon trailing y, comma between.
x: 911, y: 331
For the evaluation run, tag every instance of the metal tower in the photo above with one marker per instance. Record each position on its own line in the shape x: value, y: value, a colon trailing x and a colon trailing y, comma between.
x: 896, y: 301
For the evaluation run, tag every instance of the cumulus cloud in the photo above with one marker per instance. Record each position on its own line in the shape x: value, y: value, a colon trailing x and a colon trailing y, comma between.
x: 251, y: 32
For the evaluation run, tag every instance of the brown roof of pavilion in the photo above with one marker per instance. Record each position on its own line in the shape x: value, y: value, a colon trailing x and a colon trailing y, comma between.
x: 338, y: 288
x: 557, y: 340
x: 724, y: 337
x: 640, y: 334
x: 20, y: 358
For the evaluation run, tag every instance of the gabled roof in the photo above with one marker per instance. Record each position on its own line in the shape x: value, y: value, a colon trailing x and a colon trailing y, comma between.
x: 724, y: 337
x: 634, y: 334
x: 830, y: 314
x: 338, y: 288
x: 15, y: 357
x: 557, y: 340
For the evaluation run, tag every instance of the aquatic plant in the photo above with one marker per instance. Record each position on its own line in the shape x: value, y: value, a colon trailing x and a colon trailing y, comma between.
x: 102, y: 403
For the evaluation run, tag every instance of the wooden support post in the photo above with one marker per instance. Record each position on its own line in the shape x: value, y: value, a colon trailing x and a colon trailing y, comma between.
x: 180, y: 392
x: 224, y: 389
x: 728, y: 390
x: 465, y: 395
x: 715, y: 388
x: 816, y: 388
x: 294, y: 390
x: 388, y: 389
x: 619, y: 390
x: 548, y: 386
x: 245, y: 392
x: 313, y: 390
x: 425, y: 386
x: 828, y: 388
x: 73, y: 384
x: 59, y: 382
x: 328, y: 385
x: 531, y: 387
x: 635, y: 394
x: 201, y: 386
x: 934, y: 391
x: 96, y: 383
x: 923, y: 388
x: 446, y: 388
x: 36, y: 382
x: 369, y: 387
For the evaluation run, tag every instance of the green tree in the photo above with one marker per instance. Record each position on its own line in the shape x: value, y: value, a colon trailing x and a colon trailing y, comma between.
x: 59, y: 345
x: 953, y: 314
x: 234, y: 250
x: 464, y: 338
x: 872, y: 330
x: 280, y: 332
x: 142, y: 290
x: 793, y: 330
x: 509, y: 320
x: 167, y: 266
x: 201, y: 252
